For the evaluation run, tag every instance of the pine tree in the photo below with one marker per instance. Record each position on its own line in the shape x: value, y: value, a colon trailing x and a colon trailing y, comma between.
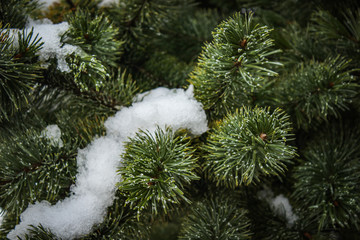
x: 179, y: 119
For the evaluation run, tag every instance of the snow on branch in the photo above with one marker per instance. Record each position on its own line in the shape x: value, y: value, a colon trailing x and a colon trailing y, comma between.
x: 95, y: 185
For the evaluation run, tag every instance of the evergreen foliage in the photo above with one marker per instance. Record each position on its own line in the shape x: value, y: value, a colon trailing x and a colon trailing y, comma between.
x: 185, y: 40
x: 225, y: 75
x: 44, y: 170
x: 342, y: 32
x: 246, y: 60
x: 156, y: 168
x: 84, y: 31
x: 327, y: 181
x: 247, y: 145
x: 317, y: 90
x: 40, y: 233
x: 18, y: 70
x: 59, y: 10
x: 16, y: 12
x: 216, y: 218
x: 170, y: 75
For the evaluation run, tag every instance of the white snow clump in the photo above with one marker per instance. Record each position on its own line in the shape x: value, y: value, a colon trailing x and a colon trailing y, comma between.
x: 53, y: 133
x: 95, y: 186
x: 280, y: 205
x: 51, y: 34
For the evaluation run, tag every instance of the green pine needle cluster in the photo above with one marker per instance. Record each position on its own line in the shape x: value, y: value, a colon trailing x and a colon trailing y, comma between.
x: 84, y: 32
x: 216, y: 218
x: 246, y: 59
x: 170, y: 71
x: 341, y: 32
x: 318, y: 90
x: 43, y: 171
x: 247, y: 145
x: 18, y: 72
x: 328, y: 180
x: 233, y: 64
x: 16, y: 12
x: 186, y: 40
x: 156, y: 168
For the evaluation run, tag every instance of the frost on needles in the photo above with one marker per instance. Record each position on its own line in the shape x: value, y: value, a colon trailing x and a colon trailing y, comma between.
x: 96, y: 180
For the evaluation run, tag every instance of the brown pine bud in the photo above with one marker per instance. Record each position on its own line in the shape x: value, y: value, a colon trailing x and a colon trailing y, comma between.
x: 263, y: 136
x: 243, y: 44
x: 17, y: 56
x: 150, y: 183
x: 237, y: 63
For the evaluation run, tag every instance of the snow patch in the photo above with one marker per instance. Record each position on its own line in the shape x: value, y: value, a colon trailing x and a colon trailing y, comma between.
x: 279, y: 204
x: 53, y: 133
x: 94, y: 190
x: 51, y: 35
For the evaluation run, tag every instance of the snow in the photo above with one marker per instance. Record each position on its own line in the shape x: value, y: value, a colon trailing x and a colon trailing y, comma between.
x: 164, y: 107
x: 51, y: 34
x: 94, y: 190
x: 2, y: 213
x: 53, y: 133
x: 279, y: 204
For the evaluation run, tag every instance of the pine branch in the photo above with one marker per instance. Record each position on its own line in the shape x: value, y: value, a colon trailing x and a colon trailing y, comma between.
x: 327, y: 181
x: 28, y: 163
x: 90, y: 81
x: 139, y: 21
x: 341, y: 33
x: 233, y: 64
x: 40, y: 233
x: 16, y: 12
x: 184, y: 34
x: 247, y: 145
x: 18, y: 72
x: 300, y: 44
x: 95, y: 35
x: 216, y: 218
x: 317, y: 90
x: 163, y: 70
x: 137, y: 14
x: 330, y: 27
x: 156, y: 168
